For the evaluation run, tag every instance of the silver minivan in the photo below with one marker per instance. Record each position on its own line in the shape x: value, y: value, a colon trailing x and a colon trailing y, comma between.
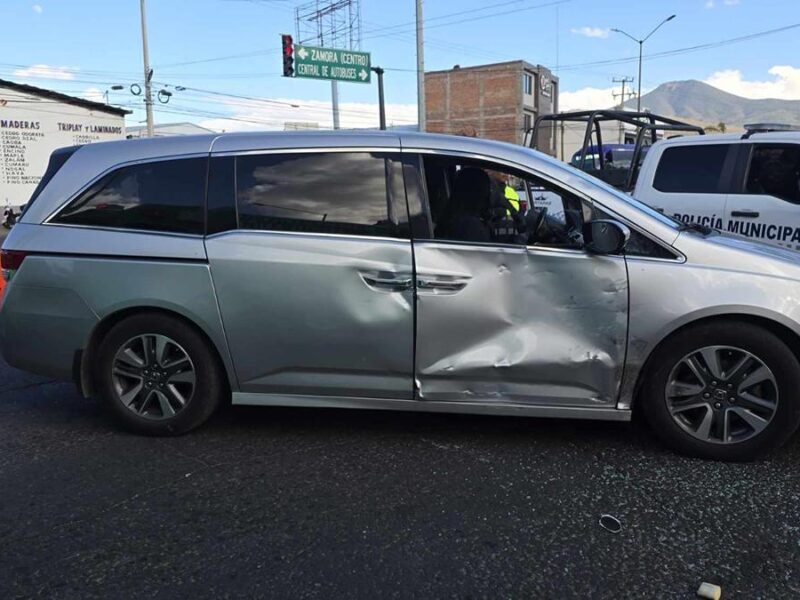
x: 388, y: 271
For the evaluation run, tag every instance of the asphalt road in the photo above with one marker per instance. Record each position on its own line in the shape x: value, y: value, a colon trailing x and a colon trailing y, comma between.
x: 291, y: 503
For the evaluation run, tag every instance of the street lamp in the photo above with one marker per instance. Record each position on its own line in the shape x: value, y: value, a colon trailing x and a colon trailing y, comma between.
x: 116, y: 88
x: 641, y: 43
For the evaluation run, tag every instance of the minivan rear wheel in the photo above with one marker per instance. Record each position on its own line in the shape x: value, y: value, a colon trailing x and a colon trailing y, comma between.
x: 157, y: 375
x: 724, y: 391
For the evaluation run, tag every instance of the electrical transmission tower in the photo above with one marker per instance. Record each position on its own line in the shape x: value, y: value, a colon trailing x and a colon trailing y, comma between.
x: 330, y: 24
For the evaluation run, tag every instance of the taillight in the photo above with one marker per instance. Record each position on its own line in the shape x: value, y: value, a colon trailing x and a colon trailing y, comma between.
x: 10, y: 262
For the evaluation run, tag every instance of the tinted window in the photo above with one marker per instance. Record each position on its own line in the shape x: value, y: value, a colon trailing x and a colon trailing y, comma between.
x: 159, y: 196
x: 336, y: 192
x: 775, y: 171
x: 691, y: 169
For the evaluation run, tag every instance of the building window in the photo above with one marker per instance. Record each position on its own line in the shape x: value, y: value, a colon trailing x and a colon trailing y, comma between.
x: 527, y: 83
x: 527, y: 121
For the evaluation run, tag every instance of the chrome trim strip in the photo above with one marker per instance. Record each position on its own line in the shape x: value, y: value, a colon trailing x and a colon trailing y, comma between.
x: 308, y: 234
x: 477, y: 408
x: 310, y: 150
x: 491, y: 246
x: 126, y: 230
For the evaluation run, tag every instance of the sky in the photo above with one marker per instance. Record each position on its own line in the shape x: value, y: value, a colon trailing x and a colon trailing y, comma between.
x: 221, y: 59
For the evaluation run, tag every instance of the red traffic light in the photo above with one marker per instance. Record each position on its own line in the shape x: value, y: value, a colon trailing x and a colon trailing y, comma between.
x: 288, y: 55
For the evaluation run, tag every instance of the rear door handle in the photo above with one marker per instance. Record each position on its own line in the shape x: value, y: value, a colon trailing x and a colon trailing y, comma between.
x: 750, y: 214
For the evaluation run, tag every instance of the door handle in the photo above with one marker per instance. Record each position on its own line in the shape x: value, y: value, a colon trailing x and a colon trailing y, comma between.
x: 750, y: 214
x: 441, y: 285
x: 392, y: 283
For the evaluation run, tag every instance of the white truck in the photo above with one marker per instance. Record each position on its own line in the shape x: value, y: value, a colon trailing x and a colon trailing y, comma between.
x: 744, y: 184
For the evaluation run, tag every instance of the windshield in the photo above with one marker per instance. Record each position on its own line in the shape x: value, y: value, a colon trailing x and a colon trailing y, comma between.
x: 649, y: 210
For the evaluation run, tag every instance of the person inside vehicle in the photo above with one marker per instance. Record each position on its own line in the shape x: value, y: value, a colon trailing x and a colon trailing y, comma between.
x: 508, y: 223
x: 469, y: 208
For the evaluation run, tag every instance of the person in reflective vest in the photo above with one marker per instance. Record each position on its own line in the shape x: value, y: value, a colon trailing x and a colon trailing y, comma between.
x: 513, y: 198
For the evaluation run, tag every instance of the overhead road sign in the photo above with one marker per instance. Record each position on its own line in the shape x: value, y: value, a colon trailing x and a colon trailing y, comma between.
x: 313, y: 62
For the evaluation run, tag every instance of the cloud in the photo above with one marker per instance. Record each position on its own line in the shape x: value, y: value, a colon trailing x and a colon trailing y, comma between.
x: 94, y: 94
x: 46, y: 72
x: 591, y: 32
x: 784, y: 85
x: 248, y: 115
x: 713, y: 4
x: 587, y: 98
x: 37, y: 8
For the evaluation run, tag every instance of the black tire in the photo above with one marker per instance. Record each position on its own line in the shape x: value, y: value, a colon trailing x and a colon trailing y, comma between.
x: 209, y: 386
x: 761, y: 343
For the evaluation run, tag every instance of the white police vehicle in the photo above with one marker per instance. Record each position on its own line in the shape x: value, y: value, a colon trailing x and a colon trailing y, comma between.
x: 744, y: 184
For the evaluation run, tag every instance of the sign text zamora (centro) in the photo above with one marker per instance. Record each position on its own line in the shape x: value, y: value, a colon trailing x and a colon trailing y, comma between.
x: 312, y: 62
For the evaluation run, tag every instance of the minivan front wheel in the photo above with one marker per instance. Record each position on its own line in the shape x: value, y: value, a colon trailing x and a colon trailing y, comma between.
x: 157, y: 375
x: 725, y: 390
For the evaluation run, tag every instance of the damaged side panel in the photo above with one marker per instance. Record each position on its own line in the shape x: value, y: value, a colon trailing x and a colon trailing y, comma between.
x: 519, y: 325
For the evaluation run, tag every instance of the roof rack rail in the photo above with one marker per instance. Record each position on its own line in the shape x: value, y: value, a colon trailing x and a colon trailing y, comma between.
x: 751, y: 128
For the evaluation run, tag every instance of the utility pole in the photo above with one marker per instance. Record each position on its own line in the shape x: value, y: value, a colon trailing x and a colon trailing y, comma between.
x: 621, y: 96
x: 381, y: 105
x: 335, y: 104
x: 641, y: 45
x: 148, y: 75
x: 420, y: 70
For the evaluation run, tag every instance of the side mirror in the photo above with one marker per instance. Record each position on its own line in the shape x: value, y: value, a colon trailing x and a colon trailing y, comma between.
x: 605, y: 236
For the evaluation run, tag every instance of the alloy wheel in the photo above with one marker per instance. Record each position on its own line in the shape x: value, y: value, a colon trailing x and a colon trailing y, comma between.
x: 722, y: 394
x: 153, y: 376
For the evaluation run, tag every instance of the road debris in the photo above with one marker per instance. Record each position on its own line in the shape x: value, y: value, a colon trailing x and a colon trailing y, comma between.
x: 710, y: 591
x: 610, y: 523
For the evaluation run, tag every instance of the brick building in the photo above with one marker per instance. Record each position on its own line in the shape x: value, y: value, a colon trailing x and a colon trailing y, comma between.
x: 497, y: 101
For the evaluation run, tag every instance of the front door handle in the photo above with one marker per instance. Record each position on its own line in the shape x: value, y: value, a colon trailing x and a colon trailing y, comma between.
x: 441, y: 286
x: 750, y: 214
x: 388, y: 282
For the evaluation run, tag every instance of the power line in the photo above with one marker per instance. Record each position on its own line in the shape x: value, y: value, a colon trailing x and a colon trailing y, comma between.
x: 684, y: 50
x: 461, y: 13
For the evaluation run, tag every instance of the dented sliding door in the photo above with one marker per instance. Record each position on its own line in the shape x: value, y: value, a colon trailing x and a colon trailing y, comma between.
x: 519, y: 325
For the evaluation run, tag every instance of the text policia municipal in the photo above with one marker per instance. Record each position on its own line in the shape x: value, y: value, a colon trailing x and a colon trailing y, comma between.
x: 767, y: 231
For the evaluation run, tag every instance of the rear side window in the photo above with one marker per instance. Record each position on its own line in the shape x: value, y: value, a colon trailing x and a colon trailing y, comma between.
x: 159, y: 196
x: 691, y: 169
x: 336, y: 192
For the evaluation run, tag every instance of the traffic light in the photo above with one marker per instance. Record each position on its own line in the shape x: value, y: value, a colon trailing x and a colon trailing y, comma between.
x: 288, y: 55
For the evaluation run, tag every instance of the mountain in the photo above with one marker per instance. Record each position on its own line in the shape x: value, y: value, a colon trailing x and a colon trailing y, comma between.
x: 704, y: 104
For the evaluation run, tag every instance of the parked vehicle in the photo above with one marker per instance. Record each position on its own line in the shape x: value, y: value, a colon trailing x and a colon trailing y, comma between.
x: 617, y: 164
x: 744, y: 184
x: 617, y: 156
x: 367, y: 270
